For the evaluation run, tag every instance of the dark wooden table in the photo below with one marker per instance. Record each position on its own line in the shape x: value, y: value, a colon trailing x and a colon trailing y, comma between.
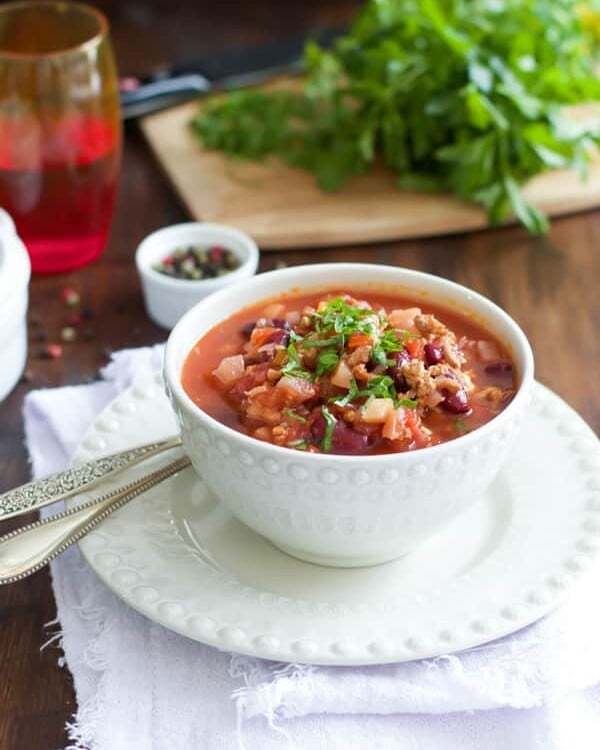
x: 549, y: 284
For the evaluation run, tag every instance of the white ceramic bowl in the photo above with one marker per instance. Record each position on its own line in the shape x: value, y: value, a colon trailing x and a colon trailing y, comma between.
x: 15, y: 271
x: 166, y: 298
x: 345, y: 510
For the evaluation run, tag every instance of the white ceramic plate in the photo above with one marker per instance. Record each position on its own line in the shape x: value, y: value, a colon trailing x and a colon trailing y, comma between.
x: 179, y: 557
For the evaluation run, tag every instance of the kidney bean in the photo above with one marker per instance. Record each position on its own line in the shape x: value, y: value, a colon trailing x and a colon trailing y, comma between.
x: 318, y: 426
x: 433, y: 355
x: 343, y: 439
x: 347, y: 440
x: 280, y: 336
x: 280, y: 323
x: 457, y: 403
x: 248, y: 328
x: 265, y: 355
x: 499, y: 367
x: 395, y: 371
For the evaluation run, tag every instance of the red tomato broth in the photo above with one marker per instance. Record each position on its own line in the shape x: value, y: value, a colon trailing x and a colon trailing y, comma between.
x: 228, y: 338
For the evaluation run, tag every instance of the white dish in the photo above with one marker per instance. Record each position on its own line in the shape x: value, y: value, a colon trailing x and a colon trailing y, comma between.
x: 179, y: 557
x: 167, y: 298
x: 15, y: 271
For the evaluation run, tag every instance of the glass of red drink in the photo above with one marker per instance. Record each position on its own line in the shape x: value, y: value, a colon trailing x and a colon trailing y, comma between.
x: 60, y: 130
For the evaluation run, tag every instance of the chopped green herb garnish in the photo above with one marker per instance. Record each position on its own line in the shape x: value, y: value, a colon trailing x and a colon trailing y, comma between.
x: 292, y: 415
x: 299, y: 444
x: 409, y: 403
x: 390, y: 342
x: 379, y: 356
x: 338, y: 317
x: 461, y: 426
x: 320, y: 343
x: 383, y: 387
x: 293, y: 367
x: 330, y: 427
x: 353, y: 392
x: 327, y: 360
x: 380, y: 387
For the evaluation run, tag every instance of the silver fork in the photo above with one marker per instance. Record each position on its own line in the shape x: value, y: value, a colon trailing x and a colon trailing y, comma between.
x: 31, y: 547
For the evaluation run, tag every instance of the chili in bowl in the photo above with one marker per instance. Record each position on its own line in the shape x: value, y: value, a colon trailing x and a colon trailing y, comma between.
x: 348, y: 421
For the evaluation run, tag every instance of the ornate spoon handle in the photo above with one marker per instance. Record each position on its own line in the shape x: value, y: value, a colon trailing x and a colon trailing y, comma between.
x: 28, y: 549
x: 66, y: 483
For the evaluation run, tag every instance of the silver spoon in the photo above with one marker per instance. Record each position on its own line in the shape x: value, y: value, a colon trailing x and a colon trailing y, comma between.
x: 30, y: 548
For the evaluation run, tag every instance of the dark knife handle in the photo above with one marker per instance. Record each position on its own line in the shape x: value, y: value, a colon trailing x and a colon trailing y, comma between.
x: 149, y: 97
x: 237, y: 68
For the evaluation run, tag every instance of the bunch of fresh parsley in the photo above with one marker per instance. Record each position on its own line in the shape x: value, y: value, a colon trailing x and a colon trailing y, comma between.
x: 466, y: 96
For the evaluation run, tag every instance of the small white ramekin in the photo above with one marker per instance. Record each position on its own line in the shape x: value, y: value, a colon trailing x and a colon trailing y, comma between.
x: 166, y: 298
x: 346, y: 510
x: 15, y: 271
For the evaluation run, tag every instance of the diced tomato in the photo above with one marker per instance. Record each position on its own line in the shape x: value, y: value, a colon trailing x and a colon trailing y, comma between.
x: 412, y: 421
x: 359, y: 339
x: 260, y: 336
x: 415, y: 347
x: 248, y: 382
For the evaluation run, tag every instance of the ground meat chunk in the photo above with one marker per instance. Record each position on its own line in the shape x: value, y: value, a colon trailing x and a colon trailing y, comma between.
x: 429, y: 386
x: 257, y: 409
x: 361, y: 355
x: 452, y: 353
x: 421, y: 383
x: 281, y: 433
x: 450, y: 379
x: 361, y: 373
x: 308, y: 357
x: 429, y: 324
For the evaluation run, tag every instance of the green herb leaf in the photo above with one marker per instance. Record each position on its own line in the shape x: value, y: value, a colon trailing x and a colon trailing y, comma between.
x: 299, y: 444
x: 293, y: 367
x: 309, y: 343
x: 331, y: 422
x: 349, y: 397
x: 409, y: 403
x: 381, y: 386
x: 327, y: 360
x: 292, y: 415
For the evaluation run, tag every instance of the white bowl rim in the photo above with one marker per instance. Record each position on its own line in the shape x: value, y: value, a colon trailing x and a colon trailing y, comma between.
x: 247, y: 266
x: 173, y: 381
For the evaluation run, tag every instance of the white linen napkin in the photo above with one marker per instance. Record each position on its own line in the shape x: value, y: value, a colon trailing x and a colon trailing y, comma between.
x: 142, y: 687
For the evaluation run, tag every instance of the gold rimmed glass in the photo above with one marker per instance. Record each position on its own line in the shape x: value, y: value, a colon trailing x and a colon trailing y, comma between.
x: 60, y: 130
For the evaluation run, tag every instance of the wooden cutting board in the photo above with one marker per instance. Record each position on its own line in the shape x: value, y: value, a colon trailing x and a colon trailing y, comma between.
x: 283, y: 208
